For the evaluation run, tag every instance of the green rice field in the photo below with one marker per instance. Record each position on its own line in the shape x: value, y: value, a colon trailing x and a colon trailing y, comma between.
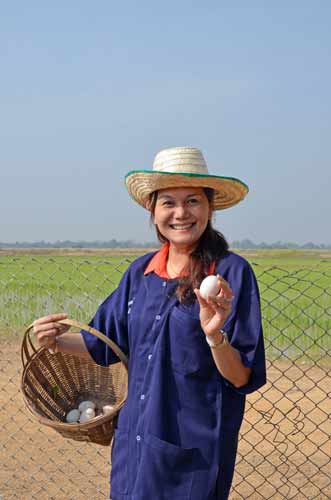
x: 295, y: 289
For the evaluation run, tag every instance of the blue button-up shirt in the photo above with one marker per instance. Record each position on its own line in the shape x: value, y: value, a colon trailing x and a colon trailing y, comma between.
x: 177, y: 433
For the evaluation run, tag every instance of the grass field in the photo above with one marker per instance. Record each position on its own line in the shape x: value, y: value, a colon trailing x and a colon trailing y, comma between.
x: 295, y: 291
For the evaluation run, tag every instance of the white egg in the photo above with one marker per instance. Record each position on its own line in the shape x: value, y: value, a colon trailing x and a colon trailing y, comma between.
x: 84, y: 405
x: 209, y: 287
x: 72, y: 416
x: 86, y: 415
x: 90, y: 413
x: 107, y: 409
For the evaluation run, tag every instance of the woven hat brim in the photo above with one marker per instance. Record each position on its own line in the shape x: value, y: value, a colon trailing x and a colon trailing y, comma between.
x: 228, y: 190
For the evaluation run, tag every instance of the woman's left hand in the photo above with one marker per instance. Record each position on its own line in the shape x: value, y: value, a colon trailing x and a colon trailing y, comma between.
x: 215, y: 310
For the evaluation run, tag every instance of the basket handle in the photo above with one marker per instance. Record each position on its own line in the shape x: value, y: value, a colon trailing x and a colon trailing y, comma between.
x: 28, y: 349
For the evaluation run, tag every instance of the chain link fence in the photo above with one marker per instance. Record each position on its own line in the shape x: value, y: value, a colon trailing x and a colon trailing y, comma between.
x: 285, y: 444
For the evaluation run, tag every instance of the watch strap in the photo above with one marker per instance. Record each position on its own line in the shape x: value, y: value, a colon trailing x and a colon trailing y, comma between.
x: 219, y: 343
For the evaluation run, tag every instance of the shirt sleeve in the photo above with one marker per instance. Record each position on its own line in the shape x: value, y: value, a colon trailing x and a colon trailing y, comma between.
x: 111, y: 319
x: 245, y: 328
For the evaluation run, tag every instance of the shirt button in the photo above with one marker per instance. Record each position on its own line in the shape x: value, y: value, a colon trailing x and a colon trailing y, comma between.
x: 164, y: 283
x: 138, y: 438
x: 142, y: 396
x: 157, y: 317
x: 150, y: 357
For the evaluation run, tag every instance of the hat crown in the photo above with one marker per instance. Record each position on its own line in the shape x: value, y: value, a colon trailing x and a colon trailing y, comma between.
x: 177, y: 160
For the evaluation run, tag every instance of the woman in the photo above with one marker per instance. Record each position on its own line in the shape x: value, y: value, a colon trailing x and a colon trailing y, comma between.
x: 191, y: 360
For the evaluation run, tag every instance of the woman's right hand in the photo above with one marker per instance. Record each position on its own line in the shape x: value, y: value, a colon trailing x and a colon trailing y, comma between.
x: 47, y: 330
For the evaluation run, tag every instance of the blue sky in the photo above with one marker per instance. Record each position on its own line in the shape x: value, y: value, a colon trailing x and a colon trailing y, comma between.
x: 91, y: 90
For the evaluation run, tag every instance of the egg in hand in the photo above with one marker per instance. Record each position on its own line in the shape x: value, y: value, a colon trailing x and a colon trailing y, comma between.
x: 209, y: 287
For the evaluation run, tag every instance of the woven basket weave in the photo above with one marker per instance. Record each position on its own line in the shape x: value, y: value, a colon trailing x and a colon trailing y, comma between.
x: 54, y: 384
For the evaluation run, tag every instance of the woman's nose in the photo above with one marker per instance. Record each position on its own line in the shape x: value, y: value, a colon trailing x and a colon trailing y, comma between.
x: 181, y: 212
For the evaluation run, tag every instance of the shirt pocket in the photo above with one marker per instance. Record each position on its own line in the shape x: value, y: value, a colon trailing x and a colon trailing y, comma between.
x: 189, y: 351
x: 120, y: 454
x: 166, y: 470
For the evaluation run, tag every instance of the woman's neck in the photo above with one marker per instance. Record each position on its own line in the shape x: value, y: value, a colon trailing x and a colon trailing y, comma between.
x: 178, y: 258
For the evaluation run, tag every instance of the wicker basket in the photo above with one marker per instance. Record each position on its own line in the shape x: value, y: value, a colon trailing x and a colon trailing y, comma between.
x: 54, y: 384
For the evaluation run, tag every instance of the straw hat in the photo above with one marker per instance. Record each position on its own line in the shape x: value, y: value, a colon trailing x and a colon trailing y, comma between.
x: 183, y: 167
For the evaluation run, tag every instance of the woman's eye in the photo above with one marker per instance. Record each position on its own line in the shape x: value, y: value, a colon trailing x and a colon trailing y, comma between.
x: 193, y: 201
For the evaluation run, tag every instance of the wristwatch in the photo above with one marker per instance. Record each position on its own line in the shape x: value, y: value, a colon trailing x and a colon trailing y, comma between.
x: 219, y: 343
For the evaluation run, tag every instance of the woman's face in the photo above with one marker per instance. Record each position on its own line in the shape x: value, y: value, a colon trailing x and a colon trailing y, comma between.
x: 181, y: 215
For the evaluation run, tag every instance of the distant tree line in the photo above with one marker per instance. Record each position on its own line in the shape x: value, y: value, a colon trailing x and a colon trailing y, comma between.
x: 248, y: 244
x: 245, y: 244
x: 79, y: 244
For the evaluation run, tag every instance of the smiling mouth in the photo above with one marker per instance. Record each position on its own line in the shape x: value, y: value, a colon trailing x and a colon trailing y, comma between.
x: 181, y: 227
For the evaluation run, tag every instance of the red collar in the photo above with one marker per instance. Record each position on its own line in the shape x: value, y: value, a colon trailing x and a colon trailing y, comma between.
x: 158, y: 263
